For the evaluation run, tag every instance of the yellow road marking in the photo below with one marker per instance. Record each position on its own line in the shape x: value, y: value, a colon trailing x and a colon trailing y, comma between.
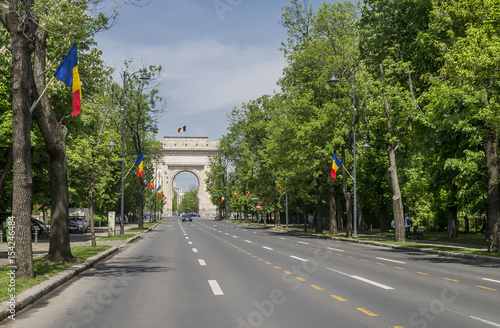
x: 339, y: 298
x: 380, y: 263
x: 399, y: 268
x: 364, y: 260
x: 451, y: 279
x: 338, y: 254
x: 317, y: 287
x: 268, y: 262
x: 287, y: 272
x: 425, y: 274
x: 493, y: 289
x: 365, y: 311
x: 300, y: 278
x: 260, y: 259
x: 277, y: 267
x: 351, y: 257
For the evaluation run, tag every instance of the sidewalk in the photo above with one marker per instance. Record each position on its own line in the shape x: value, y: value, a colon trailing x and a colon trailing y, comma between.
x: 42, y: 247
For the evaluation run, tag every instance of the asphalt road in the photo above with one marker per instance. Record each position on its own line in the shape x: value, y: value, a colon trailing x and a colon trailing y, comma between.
x: 213, y: 274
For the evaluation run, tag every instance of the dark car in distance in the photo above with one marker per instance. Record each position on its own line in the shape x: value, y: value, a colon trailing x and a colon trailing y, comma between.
x: 187, y: 217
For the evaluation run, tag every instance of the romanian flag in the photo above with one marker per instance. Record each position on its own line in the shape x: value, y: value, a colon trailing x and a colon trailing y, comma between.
x: 151, y: 185
x: 223, y: 198
x: 165, y: 198
x: 235, y: 195
x: 336, y: 164
x: 183, y: 129
x: 159, y: 190
x: 277, y: 184
x: 249, y: 194
x: 140, y: 163
x: 67, y: 72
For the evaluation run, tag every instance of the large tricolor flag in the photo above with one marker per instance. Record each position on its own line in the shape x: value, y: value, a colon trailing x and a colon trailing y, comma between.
x: 336, y: 164
x: 140, y: 163
x: 67, y: 72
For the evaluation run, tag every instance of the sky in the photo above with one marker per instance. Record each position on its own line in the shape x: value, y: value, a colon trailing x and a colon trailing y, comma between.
x: 215, y: 54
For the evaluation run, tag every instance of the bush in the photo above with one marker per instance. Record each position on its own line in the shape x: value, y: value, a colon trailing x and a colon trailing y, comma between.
x: 100, y: 220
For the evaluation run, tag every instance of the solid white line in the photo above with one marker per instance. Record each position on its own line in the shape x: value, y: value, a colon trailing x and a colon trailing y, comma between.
x: 202, y: 262
x: 485, y: 321
x: 248, y: 241
x: 362, y: 279
x: 298, y: 258
x: 487, y: 279
x: 381, y: 258
x: 335, y: 249
x: 195, y: 250
x: 269, y: 248
x: 303, y: 242
x: 215, y: 287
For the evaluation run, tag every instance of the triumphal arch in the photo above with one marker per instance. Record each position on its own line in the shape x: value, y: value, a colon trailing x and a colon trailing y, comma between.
x: 190, y: 154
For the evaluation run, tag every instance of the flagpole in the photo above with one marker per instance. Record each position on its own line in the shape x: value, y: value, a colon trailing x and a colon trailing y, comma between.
x: 40, y: 97
x: 348, y: 172
x: 129, y: 170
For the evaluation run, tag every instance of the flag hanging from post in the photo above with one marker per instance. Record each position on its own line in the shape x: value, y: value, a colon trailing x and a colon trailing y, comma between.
x: 336, y: 164
x: 140, y: 163
x: 183, y: 129
x: 151, y: 185
x: 223, y: 198
x: 249, y: 194
x: 67, y: 72
x: 235, y: 195
x: 277, y: 184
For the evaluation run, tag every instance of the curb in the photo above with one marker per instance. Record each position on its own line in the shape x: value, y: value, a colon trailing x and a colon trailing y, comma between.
x: 33, y: 294
x: 481, y: 258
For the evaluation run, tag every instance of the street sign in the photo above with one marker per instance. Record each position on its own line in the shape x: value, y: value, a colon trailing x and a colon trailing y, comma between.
x: 258, y: 207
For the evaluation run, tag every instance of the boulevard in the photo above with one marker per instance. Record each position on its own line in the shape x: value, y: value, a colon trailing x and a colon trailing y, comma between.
x: 209, y: 273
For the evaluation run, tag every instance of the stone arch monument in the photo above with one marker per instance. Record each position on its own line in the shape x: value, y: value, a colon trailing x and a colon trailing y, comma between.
x: 187, y: 154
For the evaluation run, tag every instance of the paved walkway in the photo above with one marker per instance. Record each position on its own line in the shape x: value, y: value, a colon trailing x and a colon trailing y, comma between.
x: 42, y: 247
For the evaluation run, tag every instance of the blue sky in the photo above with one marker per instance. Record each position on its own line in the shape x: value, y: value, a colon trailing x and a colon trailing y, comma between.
x: 215, y: 54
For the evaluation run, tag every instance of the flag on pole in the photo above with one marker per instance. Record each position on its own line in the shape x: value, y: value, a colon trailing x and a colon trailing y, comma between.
x: 223, y: 198
x: 336, y: 164
x: 277, y: 184
x: 67, y: 72
x: 165, y: 198
x: 249, y: 194
x: 235, y: 195
x: 151, y: 185
x: 140, y: 163
x: 183, y: 129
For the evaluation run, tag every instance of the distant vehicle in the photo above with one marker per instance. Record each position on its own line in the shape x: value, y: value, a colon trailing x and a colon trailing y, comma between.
x: 187, y: 217
x: 37, y: 226
x: 78, y: 220
x: 194, y: 214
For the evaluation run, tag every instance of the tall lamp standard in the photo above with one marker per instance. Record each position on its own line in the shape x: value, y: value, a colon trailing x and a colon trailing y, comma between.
x: 334, y: 80
x: 144, y: 77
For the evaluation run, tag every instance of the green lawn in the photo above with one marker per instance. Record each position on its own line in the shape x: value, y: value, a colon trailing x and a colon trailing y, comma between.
x: 44, y: 271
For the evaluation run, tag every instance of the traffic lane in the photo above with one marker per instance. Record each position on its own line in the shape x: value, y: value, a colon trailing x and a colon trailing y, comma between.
x: 424, y: 293
x: 145, y: 285
x: 292, y: 302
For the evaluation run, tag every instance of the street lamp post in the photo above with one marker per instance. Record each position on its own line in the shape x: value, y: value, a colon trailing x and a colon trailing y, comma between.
x: 334, y: 79
x: 144, y: 77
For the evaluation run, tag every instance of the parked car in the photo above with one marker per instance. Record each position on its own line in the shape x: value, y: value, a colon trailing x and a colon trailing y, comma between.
x: 187, y: 217
x: 37, y: 226
x: 194, y: 214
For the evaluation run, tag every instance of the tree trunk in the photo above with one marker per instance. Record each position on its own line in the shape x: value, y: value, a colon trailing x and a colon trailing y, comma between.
x: 466, y: 224
x: 361, y: 220
x: 264, y: 214
x: 340, y: 212
x: 493, y: 172
x: 384, y: 225
x: 452, y: 216
x: 332, y: 209
x: 397, y: 203
x: 21, y: 147
x: 348, y: 199
x: 91, y: 201
x: 304, y: 214
x: 54, y: 135
x: 277, y: 216
x: 319, y: 204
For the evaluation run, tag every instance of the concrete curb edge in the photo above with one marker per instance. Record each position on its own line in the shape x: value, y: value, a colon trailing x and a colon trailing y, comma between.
x: 33, y: 294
